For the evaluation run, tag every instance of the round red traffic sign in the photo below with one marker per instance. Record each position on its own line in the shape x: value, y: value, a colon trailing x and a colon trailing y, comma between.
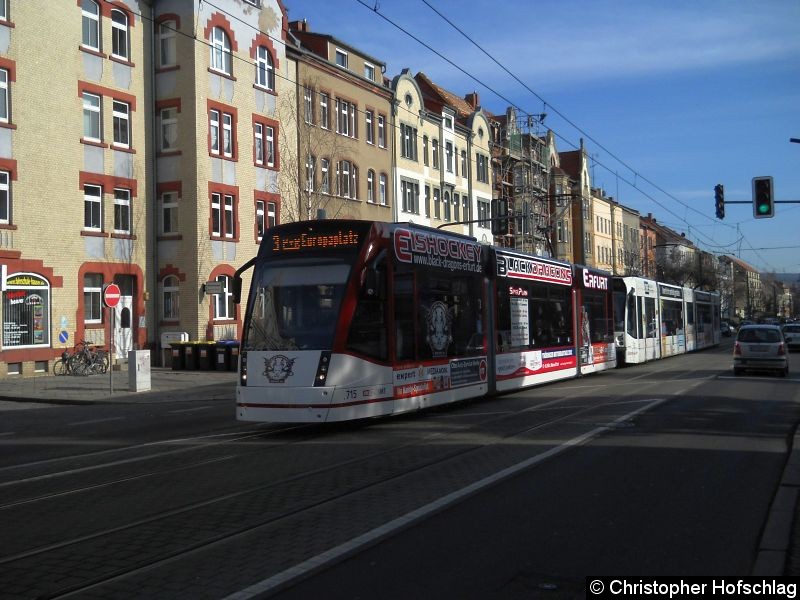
x: 111, y: 295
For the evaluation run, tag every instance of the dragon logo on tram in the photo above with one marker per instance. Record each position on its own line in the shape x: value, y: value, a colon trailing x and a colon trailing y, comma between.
x: 277, y: 369
x: 439, y: 328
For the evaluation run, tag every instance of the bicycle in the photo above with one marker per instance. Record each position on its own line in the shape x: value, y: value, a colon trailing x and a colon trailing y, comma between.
x: 85, y: 360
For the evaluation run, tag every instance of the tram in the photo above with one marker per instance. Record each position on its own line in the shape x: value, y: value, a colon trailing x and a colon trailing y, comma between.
x: 654, y: 320
x: 351, y: 319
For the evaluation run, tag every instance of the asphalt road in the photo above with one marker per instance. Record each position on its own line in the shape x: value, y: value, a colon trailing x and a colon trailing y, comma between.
x: 665, y: 468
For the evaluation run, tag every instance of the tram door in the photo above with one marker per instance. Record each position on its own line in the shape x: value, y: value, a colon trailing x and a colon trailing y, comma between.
x: 652, y: 329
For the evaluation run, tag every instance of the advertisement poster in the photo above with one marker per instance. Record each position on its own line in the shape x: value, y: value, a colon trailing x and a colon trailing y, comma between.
x: 520, y: 322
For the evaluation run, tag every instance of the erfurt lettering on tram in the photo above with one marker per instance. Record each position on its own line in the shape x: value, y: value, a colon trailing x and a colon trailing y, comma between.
x: 408, y: 243
x: 594, y: 282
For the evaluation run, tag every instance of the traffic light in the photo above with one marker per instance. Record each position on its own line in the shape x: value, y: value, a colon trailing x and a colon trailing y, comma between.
x: 763, y: 200
x: 719, y: 199
x: 499, y: 216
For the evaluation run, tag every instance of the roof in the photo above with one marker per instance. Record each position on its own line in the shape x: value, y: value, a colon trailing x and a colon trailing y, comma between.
x: 437, y: 93
x: 571, y: 162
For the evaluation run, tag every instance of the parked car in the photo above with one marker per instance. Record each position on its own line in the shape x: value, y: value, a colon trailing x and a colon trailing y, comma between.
x: 791, y: 334
x: 726, y: 328
x: 760, y: 347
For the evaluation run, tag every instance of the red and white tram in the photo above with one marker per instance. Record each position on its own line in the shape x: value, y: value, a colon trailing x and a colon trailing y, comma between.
x: 351, y: 319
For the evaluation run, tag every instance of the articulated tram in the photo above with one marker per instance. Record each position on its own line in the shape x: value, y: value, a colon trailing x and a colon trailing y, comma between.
x: 654, y: 320
x: 351, y: 319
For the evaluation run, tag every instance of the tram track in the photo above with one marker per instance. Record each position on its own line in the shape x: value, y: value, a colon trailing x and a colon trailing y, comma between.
x: 341, y: 482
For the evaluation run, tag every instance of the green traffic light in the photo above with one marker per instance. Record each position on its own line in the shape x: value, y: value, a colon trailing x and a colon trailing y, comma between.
x: 763, y: 209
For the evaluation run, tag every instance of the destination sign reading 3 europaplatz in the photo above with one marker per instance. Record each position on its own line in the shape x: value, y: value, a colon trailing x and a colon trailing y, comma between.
x: 309, y: 240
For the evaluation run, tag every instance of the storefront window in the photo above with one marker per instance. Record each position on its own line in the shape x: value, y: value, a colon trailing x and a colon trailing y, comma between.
x: 26, y: 311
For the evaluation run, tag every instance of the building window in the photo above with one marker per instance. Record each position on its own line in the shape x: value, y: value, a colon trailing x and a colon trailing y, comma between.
x: 446, y: 206
x: 371, y: 186
x: 484, y: 214
x: 122, y: 211
x: 272, y: 214
x: 437, y: 210
x: 5, y: 199
x: 224, y: 309
x: 381, y: 131
x: 90, y: 14
x: 91, y: 118
x: 425, y: 158
x: 169, y: 129
x: 341, y: 58
x: 560, y: 231
x: 265, y: 69
x: 119, y: 35
x: 324, y: 115
x: 311, y: 167
x: 222, y: 215
x: 482, y: 168
x: 369, y: 117
x: 259, y: 143
x: 369, y: 71
x: 270, y: 131
x: 308, y: 99
x: 408, y: 141
x: 169, y: 212
x: 221, y: 59
x: 448, y: 155
x: 168, y: 54
x: 3, y: 10
x: 344, y: 178
x: 409, y: 190
x: 435, y: 153
x: 456, y: 203
x: 4, y: 103
x: 325, y: 183
x: 92, y: 208
x: 345, y: 118
x: 226, y: 145
x: 259, y: 219
x: 382, y: 189
x: 26, y: 311
x: 122, y: 124
x: 171, y: 303
x: 93, y: 298
x: 463, y: 163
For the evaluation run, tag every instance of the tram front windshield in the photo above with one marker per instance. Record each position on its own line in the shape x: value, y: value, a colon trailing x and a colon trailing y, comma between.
x: 295, y: 305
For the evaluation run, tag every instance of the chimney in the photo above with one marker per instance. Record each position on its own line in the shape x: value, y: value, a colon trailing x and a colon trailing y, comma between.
x: 300, y: 26
x: 473, y: 99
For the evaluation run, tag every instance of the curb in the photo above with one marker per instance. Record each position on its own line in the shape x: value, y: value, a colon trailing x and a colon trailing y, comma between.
x: 773, y: 549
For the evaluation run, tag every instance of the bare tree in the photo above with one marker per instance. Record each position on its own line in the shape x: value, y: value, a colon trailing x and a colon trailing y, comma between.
x: 316, y: 163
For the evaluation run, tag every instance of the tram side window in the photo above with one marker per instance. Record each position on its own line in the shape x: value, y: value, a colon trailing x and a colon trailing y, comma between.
x: 671, y: 317
x: 634, y: 324
x: 600, y: 321
x: 650, y: 318
x: 449, y: 312
x: 404, y: 316
x: 690, y: 313
x: 535, y: 316
x: 368, y: 329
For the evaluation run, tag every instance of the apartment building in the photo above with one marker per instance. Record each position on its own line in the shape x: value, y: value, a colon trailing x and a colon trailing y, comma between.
x: 603, y: 230
x: 442, y: 150
x: 343, y: 162
x: 156, y: 135
x: 74, y: 177
x: 571, y: 207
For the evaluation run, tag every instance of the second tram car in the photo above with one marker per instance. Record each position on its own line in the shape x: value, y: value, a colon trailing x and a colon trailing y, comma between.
x: 351, y: 319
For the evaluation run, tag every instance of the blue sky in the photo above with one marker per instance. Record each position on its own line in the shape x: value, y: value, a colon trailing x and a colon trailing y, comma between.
x: 671, y: 98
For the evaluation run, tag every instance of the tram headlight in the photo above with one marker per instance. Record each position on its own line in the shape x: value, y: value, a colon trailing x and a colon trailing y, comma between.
x: 243, y: 368
x: 322, y: 369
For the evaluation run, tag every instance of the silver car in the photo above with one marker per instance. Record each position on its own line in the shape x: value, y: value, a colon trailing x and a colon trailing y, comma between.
x: 791, y: 334
x: 760, y: 347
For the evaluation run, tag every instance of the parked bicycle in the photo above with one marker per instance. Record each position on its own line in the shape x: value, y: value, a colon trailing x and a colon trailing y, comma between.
x: 84, y: 360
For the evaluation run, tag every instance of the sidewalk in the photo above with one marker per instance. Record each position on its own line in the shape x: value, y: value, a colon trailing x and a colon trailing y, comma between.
x: 165, y: 384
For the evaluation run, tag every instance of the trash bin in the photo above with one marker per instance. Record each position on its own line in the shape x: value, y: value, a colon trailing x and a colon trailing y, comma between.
x: 178, y: 352
x: 234, y: 346
x: 192, y: 351
x: 223, y: 355
x: 206, y: 355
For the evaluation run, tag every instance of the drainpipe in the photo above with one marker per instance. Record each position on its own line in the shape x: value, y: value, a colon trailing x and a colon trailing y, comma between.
x: 152, y: 318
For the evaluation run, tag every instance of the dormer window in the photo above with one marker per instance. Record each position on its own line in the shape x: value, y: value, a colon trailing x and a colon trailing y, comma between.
x: 369, y: 71
x: 341, y: 58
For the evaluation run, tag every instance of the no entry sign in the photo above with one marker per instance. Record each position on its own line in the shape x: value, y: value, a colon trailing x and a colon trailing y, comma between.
x: 111, y: 295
